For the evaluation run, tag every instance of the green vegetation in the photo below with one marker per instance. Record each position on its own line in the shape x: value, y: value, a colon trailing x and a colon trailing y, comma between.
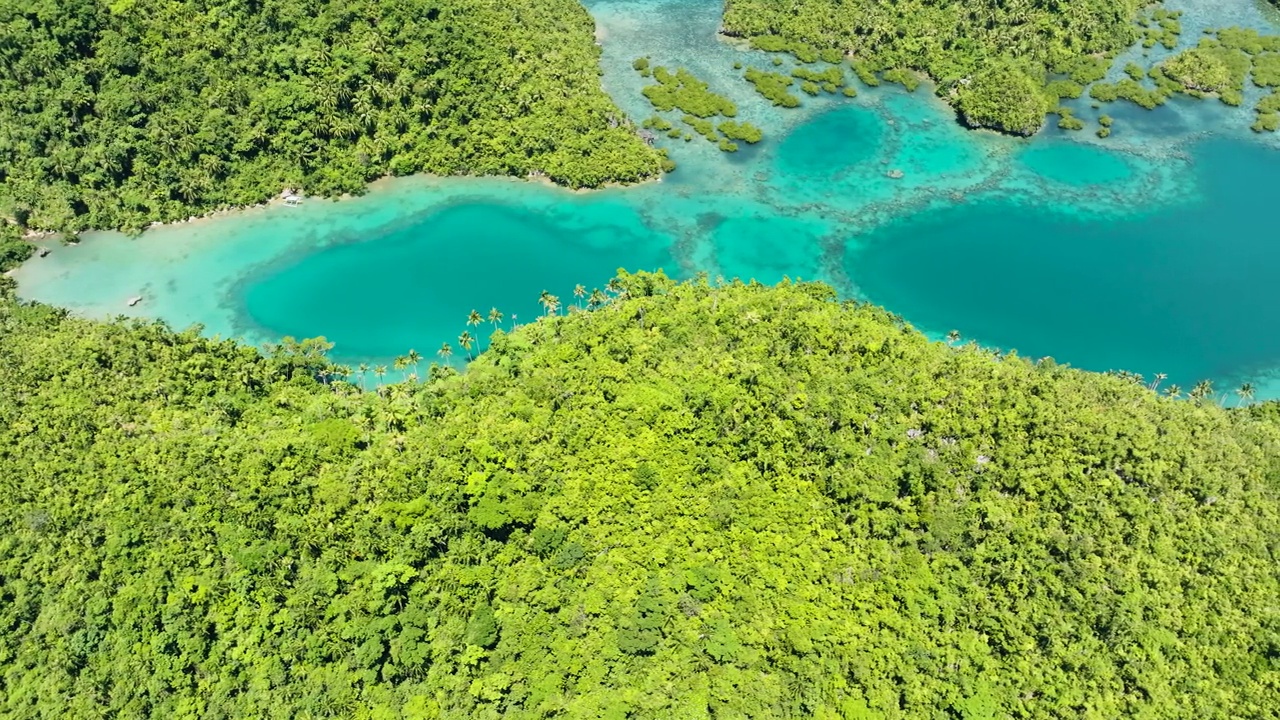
x: 773, y: 86
x: 1067, y: 119
x: 657, y: 122
x: 1131, y: 90
x: 810, y: 88
x: 952, y: 40
x: 1064, y: 89
x: 903, y: 77
x: 1268, y: 110
x: 704, y: 127
x: 1161, y: 26
x: 687, y: 93
x: 116, y: 114
x: 1212, y: 68
x: 1005, y: 96
x: 832, y: 76
x: 1266, y: 70
x: 865, y: 72
x: 745, y: 131
x: 641, y: 65
x: 1247, y: 40
x: 691, y: 502
x: 1105, y: 120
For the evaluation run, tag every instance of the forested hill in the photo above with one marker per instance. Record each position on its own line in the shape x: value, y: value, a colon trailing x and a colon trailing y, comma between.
x: 115, y: 114
x: 693, y: 502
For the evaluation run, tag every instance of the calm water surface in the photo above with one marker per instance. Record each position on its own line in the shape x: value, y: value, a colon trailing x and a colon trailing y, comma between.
x: 1151, y: 251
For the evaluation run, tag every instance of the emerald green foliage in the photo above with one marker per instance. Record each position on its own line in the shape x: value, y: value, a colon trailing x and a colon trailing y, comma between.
x: 903, y: 77
x: 810, y: 88
x: 1104, y: 131
x: 1131, y: 90
x: 1268, y: 110
x: 692, y: 502
x: 1064, y: 89
x: 744, y: 131
x: 773, y: 86
x: 13, y: 249
x: 116, y: 114
x: 849, y: 92
x: 1247, y: 40
x: 1105, y: 120
x: 1067, y: 119
x: 687, y: 93
x: 1212, y: 68
x: 641, y: 65
x: 866, y: 72
x: 704, y: 127
x: 727, y: 145
x: 1007, y: 96
x: 657, y: 122
x: 1135, y: 71
x: 1162, y: 26
x: 1087, y: 69
x: 1266, y: 122
x: 949, y: 40
x: 946, y: 39
x: 1266, y: 70
x: 831, y: 76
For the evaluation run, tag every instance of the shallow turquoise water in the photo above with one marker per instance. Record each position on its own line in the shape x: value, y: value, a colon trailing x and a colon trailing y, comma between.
x: 1149, y: 251
x: 1189, y: 291
x: 414, y: 286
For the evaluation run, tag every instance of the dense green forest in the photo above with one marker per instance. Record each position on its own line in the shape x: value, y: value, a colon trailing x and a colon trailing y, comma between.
x: 956, y: 43
x: 116, y: 114
x: 691, y: 501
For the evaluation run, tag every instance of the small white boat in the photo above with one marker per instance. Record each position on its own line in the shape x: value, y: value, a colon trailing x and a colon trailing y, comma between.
x: 135, y: 300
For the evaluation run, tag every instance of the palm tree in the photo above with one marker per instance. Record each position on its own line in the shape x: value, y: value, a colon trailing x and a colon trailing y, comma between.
x: 1173, y: 391
x: 362, y: 369
x: 579, y: 292
x: 545, y: 301
x: 495, y: 317
x: 445, y: 351
x: 474, y: 319
x: 1160, y: 377
x: 400, y: 364
x: 1245, y: 393
x: 465, y: 341
x: 1202, y: 390
x: 597, y: 299
x: 379, y: 371
x: 412, y: 359
x: 953, y: 337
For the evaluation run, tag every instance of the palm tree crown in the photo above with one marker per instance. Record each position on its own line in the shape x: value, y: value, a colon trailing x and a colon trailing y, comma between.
x: 1245, y: 392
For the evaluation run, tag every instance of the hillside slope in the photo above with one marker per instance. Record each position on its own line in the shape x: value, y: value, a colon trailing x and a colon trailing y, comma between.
x: 115, y: 114
x: 694, y: 502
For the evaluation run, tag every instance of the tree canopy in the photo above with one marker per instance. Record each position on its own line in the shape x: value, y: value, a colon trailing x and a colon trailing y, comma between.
x: 949, y: 40
x: 693, y: 501
x: 116, y: 114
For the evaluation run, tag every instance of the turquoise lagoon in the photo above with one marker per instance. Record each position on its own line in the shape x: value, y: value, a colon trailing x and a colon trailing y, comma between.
x: 1151, y: 251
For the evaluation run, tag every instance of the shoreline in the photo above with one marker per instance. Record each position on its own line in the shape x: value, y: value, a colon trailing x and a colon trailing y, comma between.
x: 38, y: 235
